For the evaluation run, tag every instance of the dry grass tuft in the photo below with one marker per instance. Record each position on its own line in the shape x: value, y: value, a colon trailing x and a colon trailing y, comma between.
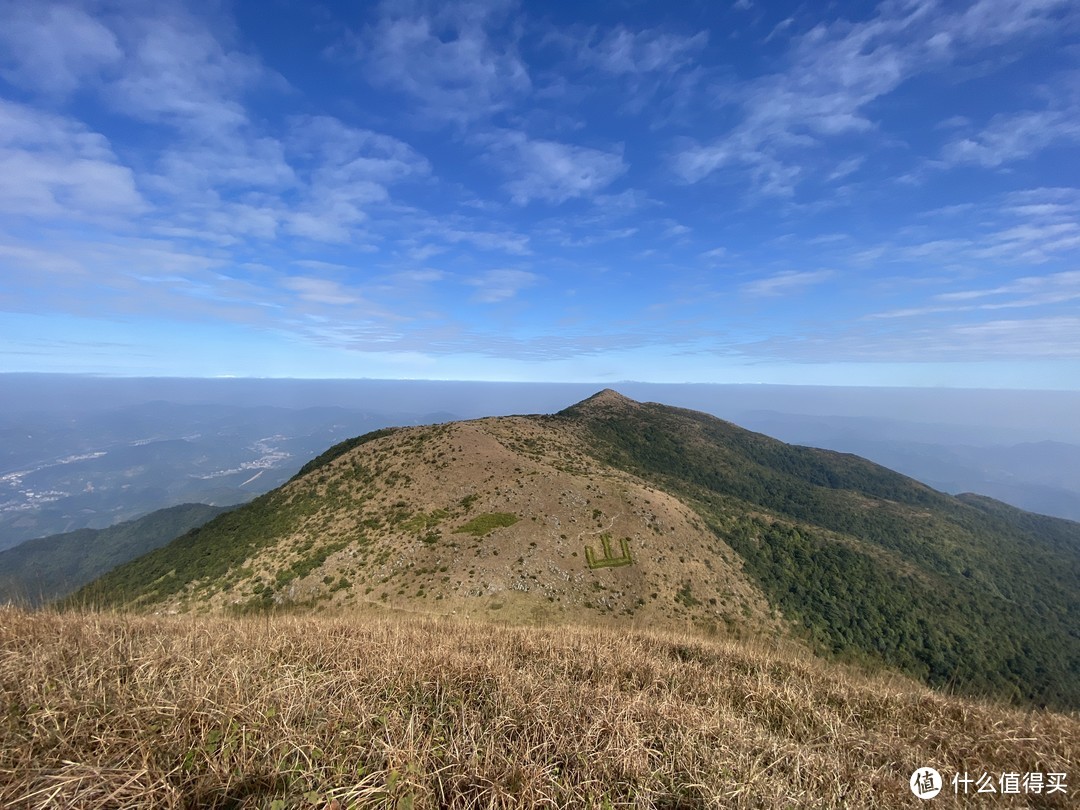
x: 105, y: 711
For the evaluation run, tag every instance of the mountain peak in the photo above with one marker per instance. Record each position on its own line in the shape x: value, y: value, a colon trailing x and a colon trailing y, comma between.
x: 608, y: 401
x: 608, y: 398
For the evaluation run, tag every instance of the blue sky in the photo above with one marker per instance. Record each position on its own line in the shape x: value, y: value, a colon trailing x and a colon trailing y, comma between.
x: 738, y: 191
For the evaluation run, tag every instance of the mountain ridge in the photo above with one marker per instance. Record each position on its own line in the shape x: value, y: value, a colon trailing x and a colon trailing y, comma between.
x: 614, y: 511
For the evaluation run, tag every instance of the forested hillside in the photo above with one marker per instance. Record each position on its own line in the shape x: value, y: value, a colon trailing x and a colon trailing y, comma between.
x: 965, y: 593
x: 49, y: 567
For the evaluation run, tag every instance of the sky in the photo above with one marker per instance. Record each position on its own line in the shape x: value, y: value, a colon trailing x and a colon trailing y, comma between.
x: 728, y: 191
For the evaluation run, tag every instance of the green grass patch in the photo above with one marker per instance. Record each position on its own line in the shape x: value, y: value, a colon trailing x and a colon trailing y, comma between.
x: 488, y: 522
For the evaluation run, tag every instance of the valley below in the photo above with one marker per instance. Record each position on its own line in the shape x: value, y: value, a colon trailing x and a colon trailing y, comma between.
x: 95, y: 469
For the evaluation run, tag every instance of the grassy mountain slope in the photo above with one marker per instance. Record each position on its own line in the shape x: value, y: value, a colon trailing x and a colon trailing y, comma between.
x: 323, y: 712
x: 49, y: 567
x: 619, y: 512
x: 494, y: 517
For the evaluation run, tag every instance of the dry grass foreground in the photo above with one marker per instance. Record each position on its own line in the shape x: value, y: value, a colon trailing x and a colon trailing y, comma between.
x: 315, y: 712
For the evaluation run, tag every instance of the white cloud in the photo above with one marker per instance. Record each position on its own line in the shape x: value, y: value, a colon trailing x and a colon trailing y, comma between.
x: 1032, y: 241
x: 411, y: 277
x: 181, y: 74
x: 1043, y: 338
x: 506, y: 242
x: 992, y: 238
x: 779, y: 29
x: 1013, y: 137
x: 39, y: 261
x: 786, y: 283
x: 219, y: 178
x: 53, y: 166
x: 1033, y: 227
x: 344, y: 171
x: 349, y: 154
x: 242, y: 161
x: 592, y: 236
x: 422, y: 253
x: 319, y: 266
x: 993, y: 21
x: 626, y: 203
x: 150, y: 278
x: 319, y: 290
x: 500, y: 285
x: 319, y: 181
x: 333, y: 224
x: 177, y: 72
x: 645, y: 70
x: 1048, y: 337
x: 45, y: 185
x: 1021, y: 293
x: 160, y: 64
x: 625, y: 52
x: 1054, y: 288
x: 846, y: 167
x: 552, y: 171
x: 837, y: 70
x: 457, y: 60
x: 52, y: 47
x: 232, y: 222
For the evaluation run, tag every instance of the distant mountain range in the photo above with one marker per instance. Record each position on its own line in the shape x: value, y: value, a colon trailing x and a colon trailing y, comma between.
x: 1039, y: 476
x: 619, y: 512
